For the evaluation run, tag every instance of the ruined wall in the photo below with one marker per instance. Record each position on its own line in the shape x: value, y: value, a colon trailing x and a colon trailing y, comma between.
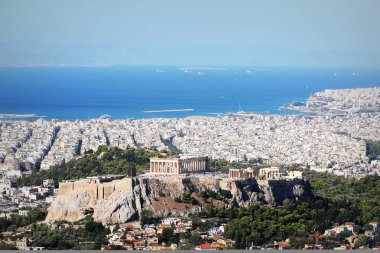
x: 97, y: 190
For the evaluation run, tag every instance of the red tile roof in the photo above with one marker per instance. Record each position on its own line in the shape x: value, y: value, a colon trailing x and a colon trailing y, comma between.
x: 205, y: 246
x: 218, y: 244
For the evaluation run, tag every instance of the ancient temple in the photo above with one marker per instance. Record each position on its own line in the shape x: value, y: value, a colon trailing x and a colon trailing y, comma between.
x: 178, y: 165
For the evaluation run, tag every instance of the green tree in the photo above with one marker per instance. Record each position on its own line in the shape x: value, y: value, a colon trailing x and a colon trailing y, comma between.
x: 5, y: 246
x: 362, y: 241
x: 373, y: 149
x: 168, y: 236
x: 147, y: 217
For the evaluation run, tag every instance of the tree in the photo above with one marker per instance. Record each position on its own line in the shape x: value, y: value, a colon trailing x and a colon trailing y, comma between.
x: 196, y: 222
x: 186, y: 197
x: 238, y: 241
x: 117, y: 247
x: 296, y: 242
x: 168, y: 236
x: 225, y: 193
x: 362, y: 241
x: 94, y: 227
x: 373, y: 150
x: 112, y: 161
x: 209, y: 210
x: 5, y: 246
x: 146, y: 217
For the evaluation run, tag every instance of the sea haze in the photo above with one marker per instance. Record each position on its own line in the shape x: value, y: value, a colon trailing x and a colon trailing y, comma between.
x: 126, y: 92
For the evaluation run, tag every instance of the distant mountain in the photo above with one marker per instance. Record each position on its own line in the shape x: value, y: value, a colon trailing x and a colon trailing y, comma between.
x: 33, y: 53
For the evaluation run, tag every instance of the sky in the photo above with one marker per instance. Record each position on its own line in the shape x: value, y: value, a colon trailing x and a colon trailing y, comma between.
x: 198, y: 33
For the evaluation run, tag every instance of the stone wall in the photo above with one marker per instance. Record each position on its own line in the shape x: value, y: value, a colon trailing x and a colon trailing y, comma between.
x: 97, y: 190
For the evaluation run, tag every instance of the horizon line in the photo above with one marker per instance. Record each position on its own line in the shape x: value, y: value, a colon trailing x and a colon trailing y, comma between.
x: 180, y: 66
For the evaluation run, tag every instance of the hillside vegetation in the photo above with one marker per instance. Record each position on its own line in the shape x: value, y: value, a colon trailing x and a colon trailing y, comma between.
x: 338, y: 200
x: 102, y: 162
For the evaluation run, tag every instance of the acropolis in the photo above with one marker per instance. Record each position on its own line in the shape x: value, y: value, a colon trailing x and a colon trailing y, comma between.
x: 241, y: 173
x: 178, y: 164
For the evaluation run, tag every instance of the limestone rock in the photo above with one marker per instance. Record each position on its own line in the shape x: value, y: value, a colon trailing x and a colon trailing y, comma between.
x: 146, y: 193
x: 69, y: 207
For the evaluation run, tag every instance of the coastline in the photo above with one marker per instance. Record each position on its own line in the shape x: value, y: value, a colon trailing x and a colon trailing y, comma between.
x: 218, y: 92
x: 20, y: 116
x: 325, y: 102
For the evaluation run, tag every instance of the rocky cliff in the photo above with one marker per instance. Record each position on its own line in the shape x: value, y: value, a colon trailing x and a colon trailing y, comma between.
x: 158, y: 195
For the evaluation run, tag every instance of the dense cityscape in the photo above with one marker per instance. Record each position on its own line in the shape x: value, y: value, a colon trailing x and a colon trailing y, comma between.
x: 189, y: 175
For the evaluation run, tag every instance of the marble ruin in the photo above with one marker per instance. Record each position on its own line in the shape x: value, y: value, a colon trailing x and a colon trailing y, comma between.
x: 178, y: 164
x: 241, y: 173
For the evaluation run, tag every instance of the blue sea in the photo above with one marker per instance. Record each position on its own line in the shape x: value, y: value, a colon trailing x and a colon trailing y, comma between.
x: 126, y: 92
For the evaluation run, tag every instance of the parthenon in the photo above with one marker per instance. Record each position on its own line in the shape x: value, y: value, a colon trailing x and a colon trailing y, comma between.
x: 178, y: 165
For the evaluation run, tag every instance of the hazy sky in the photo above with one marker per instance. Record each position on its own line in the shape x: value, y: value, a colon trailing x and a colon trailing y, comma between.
x: 198, y: 32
